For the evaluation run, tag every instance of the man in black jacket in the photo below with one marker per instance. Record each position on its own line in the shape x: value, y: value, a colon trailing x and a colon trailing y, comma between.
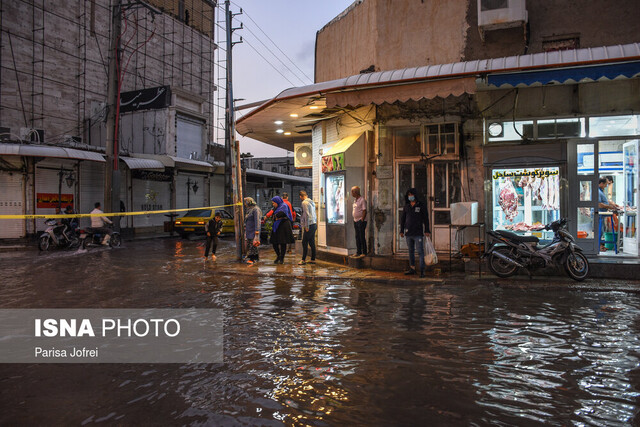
x: 414, y: 226
x: 213, y: 227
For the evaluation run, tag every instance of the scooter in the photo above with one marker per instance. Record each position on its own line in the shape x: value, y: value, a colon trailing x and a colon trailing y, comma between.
x: 91, y: 238
x: 508, y: 252
x: 57, y: 235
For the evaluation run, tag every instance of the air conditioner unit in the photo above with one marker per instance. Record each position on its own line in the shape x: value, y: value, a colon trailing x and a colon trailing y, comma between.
x: 464, y: 213
x: 498, y: 14
x: 303, y: 158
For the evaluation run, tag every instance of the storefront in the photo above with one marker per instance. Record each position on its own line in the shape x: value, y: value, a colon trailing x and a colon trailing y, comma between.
x: 12, y: 197
x: 342, y: 167
x: 567, y: 178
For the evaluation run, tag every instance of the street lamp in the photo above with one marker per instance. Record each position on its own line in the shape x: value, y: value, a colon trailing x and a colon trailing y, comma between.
x: 191, y: 185
x: 69, y: 179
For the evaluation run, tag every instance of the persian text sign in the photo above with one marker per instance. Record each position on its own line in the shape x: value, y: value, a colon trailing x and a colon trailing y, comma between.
x: 50, y: 200
x: 111, y: 335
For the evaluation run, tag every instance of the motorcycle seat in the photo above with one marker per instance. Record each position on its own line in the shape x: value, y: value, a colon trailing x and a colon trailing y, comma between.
x: 516, y: 237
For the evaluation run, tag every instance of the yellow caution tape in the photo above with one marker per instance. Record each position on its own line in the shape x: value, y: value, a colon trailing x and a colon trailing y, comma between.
x: 108, y: 214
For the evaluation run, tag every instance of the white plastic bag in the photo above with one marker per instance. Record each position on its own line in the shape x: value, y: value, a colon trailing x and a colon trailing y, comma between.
x: 430, y: 257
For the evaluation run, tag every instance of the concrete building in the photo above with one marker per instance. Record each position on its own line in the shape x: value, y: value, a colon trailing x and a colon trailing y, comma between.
x: 469, y: 100
x: 53, y: 106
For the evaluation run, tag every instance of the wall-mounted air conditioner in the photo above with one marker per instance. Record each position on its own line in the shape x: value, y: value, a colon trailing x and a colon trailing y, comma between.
x: 499, y: 14
x: 302, y: 155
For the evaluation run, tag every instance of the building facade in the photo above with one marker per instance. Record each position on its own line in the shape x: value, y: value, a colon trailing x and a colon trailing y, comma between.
x: 54, y: 103
x: 482, y: 101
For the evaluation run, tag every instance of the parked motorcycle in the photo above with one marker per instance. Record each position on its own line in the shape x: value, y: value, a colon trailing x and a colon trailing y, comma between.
x: 509, y: 251
x: 57, y: 235
x: 90, y: 238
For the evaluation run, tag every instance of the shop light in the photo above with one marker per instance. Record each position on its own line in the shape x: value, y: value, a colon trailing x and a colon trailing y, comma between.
x: 287, y: 133
x: 293, y: 115
x: 314, y: 107
x: 279, y: 131
x: 278, y: 122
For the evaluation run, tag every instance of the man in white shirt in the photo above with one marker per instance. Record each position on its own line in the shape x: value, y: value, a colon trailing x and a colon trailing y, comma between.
x: 359, y: 222
x: 97, y: 224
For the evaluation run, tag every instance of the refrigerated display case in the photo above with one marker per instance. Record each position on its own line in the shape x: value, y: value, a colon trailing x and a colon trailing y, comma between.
x: 630, y: 168
x: 526, y: 199
x: 335, y: 200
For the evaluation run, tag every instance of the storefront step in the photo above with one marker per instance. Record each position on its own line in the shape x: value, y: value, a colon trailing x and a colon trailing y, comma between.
x: 389, y: 262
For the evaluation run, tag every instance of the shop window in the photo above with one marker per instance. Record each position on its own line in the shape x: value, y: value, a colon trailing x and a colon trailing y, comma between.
x: 407, y: 141
x: 556, y: 128
x: 614, y: 126
x: 442, y: 139
x: 493, y: 4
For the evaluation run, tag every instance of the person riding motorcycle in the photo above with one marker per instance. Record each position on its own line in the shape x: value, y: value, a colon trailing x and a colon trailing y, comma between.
x: 97, y: 224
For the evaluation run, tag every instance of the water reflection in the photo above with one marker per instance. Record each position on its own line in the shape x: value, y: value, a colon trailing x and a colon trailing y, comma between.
x: 326, y: 352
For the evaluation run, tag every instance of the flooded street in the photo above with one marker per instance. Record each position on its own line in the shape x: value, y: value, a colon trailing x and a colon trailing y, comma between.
x: 328, y: 352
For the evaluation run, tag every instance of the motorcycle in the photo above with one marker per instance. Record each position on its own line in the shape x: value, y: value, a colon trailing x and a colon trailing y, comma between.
x: 58, y: 235
x: 509, y: 251
x: 91, y: 238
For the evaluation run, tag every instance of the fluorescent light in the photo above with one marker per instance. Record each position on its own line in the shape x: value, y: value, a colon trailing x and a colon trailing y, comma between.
x: 314, y: 107
x: 287, y: 133
x: 293, y: 115
x: 279, y: 131
x: 278, y: 122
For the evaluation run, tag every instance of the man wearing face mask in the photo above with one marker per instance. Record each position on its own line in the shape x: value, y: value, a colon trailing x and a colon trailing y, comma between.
x: 414, y: 226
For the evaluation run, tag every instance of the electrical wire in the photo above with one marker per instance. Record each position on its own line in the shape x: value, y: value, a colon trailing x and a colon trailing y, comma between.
x: 267, y: 61
x: 274, y: 43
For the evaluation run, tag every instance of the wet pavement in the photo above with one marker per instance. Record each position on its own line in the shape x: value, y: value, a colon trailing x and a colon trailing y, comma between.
x: 328, y: 345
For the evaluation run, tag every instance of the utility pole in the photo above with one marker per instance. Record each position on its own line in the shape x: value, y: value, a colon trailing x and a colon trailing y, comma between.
x: 232, y: 173
x: 112, y: 174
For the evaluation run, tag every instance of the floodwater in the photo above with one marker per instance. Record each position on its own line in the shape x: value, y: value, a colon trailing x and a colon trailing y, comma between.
x: 328, y: 352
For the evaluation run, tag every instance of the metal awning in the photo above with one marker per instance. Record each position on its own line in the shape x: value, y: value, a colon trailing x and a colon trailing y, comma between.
x: 49, y: 151
x: 563, y: 75
x: 341, y: 146
x: 147, y: 164
x: 268, y: 174
x: 178, y: 162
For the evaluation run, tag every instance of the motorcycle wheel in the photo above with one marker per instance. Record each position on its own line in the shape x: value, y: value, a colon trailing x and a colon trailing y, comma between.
x: 115, y: 240
x: 577, y: 266
x: 44, y: 243
x: 74, y: 242
x: 86, y: 242
x: 500, y: 267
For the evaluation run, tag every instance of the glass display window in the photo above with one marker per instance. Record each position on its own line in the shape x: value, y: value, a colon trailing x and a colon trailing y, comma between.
x: 335, y: 199
x: 526, y: 199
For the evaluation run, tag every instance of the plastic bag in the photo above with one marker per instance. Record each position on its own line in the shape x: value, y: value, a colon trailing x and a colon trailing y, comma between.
x: 430, y: 257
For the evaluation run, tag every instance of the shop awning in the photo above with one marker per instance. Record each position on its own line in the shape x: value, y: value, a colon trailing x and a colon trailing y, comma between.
x: 178, y: 162
x: 49, y: 151
x: 284, y: 177
x: 341, y: 146
x: 147, y: 164
x: 403, y: 93
x: 563, y: 75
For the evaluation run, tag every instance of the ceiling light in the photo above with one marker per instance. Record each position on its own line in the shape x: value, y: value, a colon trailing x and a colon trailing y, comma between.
x: 287, y: 133
x: 314, y: 107
x: 278, y: 122
x: 293, y: 115
x: 279, y: 131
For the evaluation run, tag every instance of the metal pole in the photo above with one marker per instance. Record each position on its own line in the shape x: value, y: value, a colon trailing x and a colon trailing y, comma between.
x: 228, y: 133
x: 238, y: 200
x: 112, y: 99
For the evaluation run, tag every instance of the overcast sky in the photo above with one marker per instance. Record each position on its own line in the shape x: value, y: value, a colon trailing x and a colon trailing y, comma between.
x: 292, y: 25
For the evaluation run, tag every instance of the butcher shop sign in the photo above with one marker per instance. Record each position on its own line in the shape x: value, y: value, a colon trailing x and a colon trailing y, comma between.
x: 540, y: 173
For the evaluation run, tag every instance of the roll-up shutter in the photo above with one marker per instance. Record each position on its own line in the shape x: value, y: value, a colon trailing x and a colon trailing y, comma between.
x: 11, y: 203
x: 193, y: 199
x: 189, y: 137
x: 150, y: 195
x: 91, y: 189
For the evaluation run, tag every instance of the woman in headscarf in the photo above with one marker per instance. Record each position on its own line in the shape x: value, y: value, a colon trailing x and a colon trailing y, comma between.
x: 252, y: 218
x: 281, y: 231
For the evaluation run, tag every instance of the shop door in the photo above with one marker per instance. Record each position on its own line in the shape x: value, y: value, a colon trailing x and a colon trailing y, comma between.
x: 410, y: 175
x: 583, y: 194
x: 11, y: 203
x: 630, y: 171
